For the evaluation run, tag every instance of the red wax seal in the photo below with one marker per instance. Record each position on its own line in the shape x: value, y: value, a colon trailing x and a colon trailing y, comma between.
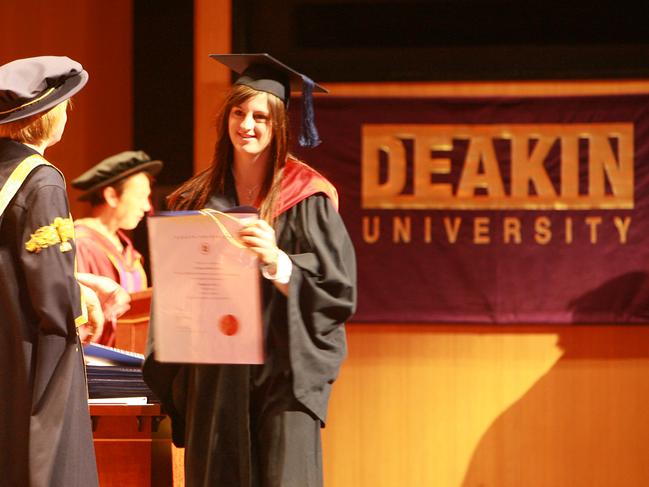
x: 229, y: 325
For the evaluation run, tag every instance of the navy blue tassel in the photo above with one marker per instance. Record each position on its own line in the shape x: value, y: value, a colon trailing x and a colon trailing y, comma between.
x: 309, y: 133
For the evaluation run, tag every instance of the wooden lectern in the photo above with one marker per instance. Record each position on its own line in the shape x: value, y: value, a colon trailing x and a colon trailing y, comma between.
x: 133, y: 325
x: 133, y: 443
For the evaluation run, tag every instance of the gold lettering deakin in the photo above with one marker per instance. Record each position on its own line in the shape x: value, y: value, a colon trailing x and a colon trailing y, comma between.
x: 603, y: 152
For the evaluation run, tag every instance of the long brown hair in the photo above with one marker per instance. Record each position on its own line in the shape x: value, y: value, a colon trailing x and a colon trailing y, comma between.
x: 194, y: 193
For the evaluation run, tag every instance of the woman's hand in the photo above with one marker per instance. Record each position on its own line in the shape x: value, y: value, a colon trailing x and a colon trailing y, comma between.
x: 259, y: 237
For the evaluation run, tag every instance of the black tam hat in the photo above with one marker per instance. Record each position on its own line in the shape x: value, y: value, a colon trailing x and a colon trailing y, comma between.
x: 263, y: 72
x: 114, y: 169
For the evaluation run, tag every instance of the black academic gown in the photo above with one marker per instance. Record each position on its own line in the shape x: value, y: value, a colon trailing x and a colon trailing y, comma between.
x: 45, y: 431
x: 305, y: 344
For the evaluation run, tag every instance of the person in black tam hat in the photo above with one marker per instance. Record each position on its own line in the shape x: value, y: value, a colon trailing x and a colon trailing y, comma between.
x: 259, y: 425
x: 45, y: 430
x: 119, y: 190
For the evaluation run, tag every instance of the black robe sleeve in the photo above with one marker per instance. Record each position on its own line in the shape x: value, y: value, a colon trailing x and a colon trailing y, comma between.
x: 321, y: 297
x: 50, y: 272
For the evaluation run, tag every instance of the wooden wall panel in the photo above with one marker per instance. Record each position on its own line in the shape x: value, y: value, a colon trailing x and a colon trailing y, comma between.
x: 212, y: 36
x: 98, y: 35
x: 433, y: 405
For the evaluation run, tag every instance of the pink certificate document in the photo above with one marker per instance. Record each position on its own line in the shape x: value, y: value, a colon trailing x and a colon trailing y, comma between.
x: 206, y: 305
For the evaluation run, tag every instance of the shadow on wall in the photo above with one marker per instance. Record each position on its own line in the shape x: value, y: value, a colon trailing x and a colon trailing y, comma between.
x: 625, y: 299
x: 585, y: 422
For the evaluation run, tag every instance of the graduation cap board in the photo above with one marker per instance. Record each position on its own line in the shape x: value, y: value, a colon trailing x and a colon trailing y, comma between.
x: 263, y: 72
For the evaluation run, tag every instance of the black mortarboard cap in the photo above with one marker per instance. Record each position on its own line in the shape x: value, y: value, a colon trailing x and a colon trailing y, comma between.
x: 113, y: 169
x: 263, y: 72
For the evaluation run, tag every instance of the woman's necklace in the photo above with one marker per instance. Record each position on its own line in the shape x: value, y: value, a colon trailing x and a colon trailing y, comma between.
x: 249, y: 194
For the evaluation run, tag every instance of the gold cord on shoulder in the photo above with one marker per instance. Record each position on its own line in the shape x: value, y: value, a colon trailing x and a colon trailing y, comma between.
x: 60, y: 231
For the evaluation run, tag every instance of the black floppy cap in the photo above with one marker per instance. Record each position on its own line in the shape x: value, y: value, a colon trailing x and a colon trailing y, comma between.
x: 263, y: 72
x: 33, y: 85
x: 113, y: 169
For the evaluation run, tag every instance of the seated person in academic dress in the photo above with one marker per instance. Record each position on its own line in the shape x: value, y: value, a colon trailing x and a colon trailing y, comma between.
x: 118, y: 189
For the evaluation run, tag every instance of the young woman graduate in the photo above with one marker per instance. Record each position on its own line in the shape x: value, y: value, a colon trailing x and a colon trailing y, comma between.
x: 259, y: 425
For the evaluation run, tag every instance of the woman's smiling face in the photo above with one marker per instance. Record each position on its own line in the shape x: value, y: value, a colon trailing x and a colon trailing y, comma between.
x: 250, y: 127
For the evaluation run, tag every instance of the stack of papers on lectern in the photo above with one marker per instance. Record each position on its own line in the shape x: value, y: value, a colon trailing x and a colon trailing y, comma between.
x: 115, y: 374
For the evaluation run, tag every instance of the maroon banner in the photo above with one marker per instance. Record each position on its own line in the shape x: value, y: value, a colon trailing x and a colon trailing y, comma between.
x: 493, y: 210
